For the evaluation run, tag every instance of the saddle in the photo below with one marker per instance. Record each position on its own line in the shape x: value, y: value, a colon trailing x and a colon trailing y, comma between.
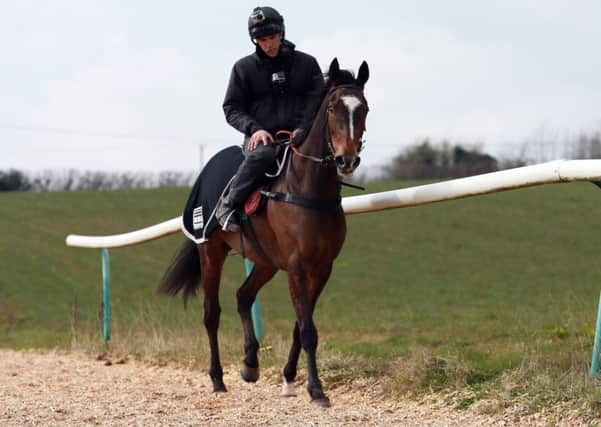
x: 256, y: 201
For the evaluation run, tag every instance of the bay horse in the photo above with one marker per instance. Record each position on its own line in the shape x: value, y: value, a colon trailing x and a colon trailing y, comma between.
x: 301, y: 235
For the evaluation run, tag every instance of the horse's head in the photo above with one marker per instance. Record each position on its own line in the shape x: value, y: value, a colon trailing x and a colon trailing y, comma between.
x: 346, y: 109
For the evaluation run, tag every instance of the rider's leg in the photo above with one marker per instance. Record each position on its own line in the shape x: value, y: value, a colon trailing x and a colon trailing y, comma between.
x: 250, y: 175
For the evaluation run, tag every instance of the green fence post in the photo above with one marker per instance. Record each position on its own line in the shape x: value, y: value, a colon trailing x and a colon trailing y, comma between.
x: 106, y: 294
x: 256, y: 308
x: 597, y: 345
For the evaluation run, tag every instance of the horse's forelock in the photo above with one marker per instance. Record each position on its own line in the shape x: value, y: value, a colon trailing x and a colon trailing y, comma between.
x: 342, y: 77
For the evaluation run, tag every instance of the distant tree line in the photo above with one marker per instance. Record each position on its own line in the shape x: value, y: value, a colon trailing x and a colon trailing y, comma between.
x: 74, y: 180
x: 426, y: 159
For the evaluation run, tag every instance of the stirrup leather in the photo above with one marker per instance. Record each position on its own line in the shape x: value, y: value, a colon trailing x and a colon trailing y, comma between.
x: 228, y: 218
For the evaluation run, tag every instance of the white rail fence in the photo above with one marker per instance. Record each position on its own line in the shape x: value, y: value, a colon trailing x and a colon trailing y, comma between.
x: 557, y: 171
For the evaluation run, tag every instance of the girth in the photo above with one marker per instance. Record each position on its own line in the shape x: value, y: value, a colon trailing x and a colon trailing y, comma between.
x: 306, y: 202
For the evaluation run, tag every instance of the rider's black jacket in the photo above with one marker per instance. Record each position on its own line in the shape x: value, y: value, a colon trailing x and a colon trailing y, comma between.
x: 273, y: 93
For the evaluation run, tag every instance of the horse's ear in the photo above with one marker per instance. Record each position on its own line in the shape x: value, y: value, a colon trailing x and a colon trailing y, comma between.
x: 334, y: 69
x: 363, y: 74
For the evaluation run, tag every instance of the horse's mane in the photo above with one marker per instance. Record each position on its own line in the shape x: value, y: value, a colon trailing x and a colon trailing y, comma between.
x: 315, y: 103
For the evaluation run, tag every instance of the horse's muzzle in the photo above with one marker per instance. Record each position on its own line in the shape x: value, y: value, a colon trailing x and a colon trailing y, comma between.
x: 347, y: 164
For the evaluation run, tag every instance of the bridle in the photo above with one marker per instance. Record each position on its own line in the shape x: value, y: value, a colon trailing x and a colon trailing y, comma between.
x: 331, y: 155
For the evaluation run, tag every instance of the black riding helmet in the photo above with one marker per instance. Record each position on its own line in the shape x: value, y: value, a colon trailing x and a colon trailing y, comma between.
x: 265, y: 21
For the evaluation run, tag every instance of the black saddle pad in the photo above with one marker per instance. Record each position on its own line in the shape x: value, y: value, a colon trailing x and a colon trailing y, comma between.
x: 199, y: 214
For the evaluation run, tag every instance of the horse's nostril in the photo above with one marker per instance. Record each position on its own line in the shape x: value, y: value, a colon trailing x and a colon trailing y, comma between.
x: 356, y: 162
x: 340, y: 161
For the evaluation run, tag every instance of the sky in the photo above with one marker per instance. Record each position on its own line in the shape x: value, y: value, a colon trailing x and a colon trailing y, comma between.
x: 138, y: 85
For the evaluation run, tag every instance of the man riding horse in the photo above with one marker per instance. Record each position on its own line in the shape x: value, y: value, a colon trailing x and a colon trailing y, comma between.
x: 302, y: 227
x: 270, y: 90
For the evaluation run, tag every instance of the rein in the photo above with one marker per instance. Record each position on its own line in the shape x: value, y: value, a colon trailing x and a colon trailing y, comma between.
x: 321, y: 160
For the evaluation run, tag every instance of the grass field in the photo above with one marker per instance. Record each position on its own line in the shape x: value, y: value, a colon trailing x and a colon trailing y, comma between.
x: 494, y: 296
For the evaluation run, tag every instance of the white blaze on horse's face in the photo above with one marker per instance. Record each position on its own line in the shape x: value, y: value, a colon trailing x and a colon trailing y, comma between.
x: 351, y: 102
x: 346, y: 125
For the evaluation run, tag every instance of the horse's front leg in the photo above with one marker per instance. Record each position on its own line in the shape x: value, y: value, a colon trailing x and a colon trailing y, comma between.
x: 246, y: 297
x: 304, y: 291
x: 288, y: 388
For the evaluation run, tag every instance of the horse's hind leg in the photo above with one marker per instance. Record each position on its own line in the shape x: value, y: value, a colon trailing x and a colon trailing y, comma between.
x: 246, y: 296
x: 212, y: 256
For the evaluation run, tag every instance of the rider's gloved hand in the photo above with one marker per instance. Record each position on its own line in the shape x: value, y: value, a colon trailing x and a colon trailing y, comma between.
x: 295, y: 132
x: 259, y: 137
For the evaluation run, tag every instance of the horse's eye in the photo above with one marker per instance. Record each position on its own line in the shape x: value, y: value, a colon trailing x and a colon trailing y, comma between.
x: 330, y: 109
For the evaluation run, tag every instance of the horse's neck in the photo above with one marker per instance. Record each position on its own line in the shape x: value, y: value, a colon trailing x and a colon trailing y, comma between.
x: 309, y: 178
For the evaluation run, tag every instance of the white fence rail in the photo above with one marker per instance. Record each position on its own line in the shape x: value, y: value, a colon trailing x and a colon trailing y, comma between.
x: 545, y: 173
x: 126, y: 239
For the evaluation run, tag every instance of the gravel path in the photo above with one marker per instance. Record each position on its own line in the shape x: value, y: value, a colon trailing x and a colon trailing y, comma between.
x: 53, y: 388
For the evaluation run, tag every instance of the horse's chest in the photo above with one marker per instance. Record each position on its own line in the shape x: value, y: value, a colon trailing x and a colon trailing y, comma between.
x: 321, y: 240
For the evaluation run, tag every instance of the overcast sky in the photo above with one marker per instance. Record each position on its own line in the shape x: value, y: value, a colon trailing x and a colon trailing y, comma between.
x: 138, y: 85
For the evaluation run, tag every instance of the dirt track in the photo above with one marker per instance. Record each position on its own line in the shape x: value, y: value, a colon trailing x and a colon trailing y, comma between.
x: 65, y: 389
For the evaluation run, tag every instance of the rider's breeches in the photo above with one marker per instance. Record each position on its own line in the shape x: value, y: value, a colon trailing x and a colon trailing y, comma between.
x: 251, y: 173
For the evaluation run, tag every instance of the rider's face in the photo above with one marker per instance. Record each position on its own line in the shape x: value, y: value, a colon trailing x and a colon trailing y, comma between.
x: 270, y: 44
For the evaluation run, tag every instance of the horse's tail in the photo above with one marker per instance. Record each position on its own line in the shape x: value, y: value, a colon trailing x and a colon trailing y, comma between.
x: 183, y: 273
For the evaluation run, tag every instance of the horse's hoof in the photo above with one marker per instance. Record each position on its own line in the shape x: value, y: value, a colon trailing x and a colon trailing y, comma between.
x: 322, y: 402
x: 219, y: 388
x: 248, y: 374
x: 288, y: 389
x: 319, y: 398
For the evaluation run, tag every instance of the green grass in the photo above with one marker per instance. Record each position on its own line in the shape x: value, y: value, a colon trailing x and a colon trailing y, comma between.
x: 496, y: 294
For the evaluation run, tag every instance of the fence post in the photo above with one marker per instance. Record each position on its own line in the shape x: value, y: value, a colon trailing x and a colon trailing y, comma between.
x: 597, y: 345
x: 106, y: 294
x: 256, y: 308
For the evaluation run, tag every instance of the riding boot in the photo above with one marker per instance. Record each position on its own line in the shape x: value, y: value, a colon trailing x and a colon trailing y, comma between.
x: 227, y: 215
x: 227, y: 210
x: 250, y: 175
